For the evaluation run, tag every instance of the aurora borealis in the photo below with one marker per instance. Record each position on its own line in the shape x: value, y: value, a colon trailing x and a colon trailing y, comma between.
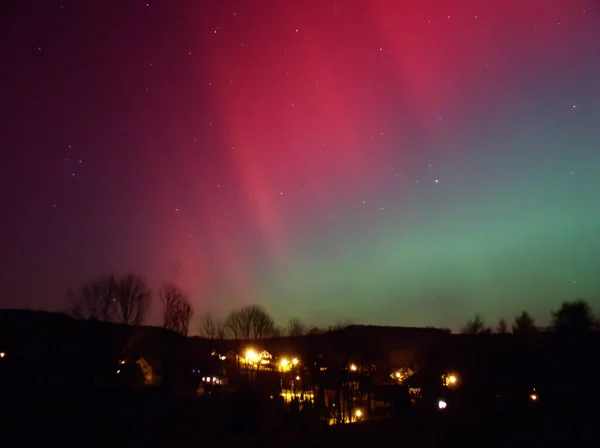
x: 390, y: 162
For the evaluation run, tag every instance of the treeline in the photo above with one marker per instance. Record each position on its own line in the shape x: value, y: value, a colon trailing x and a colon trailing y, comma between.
x: 127, y: 300
x: 573, y: 318
x: 253, y: 322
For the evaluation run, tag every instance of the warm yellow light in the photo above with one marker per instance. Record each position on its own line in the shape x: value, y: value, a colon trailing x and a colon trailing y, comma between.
x: 122, y: 362
x: 450, y: 380
x: 2, y: 354
x: 251, y: 355
x: 284, y: 363
x: 353, y: 367
x: 533, y: 397
x: 295, y: 361
x: 298, y: 378
x: 402, y: 374
x: 358, y: 413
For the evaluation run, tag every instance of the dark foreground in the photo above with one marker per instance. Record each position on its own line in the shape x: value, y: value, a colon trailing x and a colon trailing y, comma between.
x: 115, y: 419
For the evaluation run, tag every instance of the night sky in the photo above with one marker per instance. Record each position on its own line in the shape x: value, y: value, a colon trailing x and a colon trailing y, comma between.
x: 390, y: 162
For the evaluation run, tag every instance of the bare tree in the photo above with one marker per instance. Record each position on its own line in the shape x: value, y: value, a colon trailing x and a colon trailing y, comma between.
x: 221, y: 330
x: 340, y: 325
x: 132, y: 299
x: 177, y: 309
x: 502, y: 326
x: 232, y: 325
x: 476, y: 326
x: 250, y: 322
x: 95, y: 300
x: 209, y: 328
x: 524, y: 324
x: 296, y: 328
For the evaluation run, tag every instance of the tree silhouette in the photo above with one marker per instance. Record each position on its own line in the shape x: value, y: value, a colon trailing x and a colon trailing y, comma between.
x: 132, y: 299
x: 221, y: 330
x: 524, y: 324
x: 340, y: 325
x: 232, y: 325
x: 573, y: 318
x: 296, y: 328
x: 94, y: 300
x: 502, y: 326
x: 476, y: 326
x: 208, y: 327
x: 177, y: 309
x: 250, y: 322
